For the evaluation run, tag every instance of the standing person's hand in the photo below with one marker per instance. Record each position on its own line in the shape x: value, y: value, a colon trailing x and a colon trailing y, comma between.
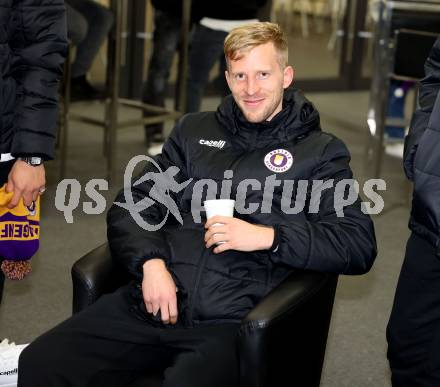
x: 26, y: 181
x: 159, y: 290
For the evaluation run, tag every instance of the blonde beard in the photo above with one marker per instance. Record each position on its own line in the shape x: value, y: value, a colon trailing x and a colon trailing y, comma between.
x: 264, y: 115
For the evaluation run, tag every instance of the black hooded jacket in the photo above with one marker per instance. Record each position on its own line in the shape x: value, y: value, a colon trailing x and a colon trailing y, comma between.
x: 33, y: 46
x: 233, y: 9
x: 174, y: 7
x: 422, y: 155
x: 214, y: 288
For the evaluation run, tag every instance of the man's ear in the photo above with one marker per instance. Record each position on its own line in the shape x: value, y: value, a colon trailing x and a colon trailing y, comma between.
x: 288, y: 75
x: 227, y: 79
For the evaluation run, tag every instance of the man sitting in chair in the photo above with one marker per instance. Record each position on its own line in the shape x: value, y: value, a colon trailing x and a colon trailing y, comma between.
x: 194, y: 281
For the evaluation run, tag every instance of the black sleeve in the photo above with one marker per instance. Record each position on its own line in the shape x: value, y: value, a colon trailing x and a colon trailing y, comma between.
x: 429, y: 87
x: 132, y: 244
x: 323, y: 241
x: 261, y: 3
x: 39, y: 45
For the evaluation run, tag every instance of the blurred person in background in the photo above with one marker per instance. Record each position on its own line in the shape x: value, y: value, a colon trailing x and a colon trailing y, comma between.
x: 219, y: 18
x: 166, y: 38
x: 88, y: 25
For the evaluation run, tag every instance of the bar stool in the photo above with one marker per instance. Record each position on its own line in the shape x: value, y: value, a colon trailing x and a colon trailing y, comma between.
x: 400, y: 54
x: 110, y: 122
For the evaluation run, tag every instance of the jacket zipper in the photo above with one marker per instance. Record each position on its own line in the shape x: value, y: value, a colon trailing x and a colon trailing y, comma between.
x: 201, y: 266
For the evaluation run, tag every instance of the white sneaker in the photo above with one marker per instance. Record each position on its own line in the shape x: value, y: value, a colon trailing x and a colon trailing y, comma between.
x: 9, y: 354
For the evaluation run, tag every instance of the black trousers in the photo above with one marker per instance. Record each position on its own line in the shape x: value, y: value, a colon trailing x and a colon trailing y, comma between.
x: 107, y: 345
x: 413, y: 332
x: 4, y: 172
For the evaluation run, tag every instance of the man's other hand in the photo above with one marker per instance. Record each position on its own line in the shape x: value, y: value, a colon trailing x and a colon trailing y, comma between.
x: 159, y: 290
x: 236, y: 234
x: 25, y: 181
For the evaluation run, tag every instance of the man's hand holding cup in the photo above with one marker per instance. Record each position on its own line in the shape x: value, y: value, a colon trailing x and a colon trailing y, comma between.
x: 229, y: 233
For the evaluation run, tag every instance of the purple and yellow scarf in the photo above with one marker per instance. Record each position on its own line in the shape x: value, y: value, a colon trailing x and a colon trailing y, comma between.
x: 19, y: 235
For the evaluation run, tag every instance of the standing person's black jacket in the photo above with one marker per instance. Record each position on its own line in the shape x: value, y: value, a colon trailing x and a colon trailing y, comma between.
x: 214, y: 288
x: 233, y: 9
x: 33, y: 45
x: 422, y: 154
x: 174, y: 7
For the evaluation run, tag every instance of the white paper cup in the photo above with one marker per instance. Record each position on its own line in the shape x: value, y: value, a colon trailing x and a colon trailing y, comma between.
x: 223, y: 207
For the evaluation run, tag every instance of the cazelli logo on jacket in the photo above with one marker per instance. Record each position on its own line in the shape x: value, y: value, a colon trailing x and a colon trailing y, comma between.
x: 217, y: 144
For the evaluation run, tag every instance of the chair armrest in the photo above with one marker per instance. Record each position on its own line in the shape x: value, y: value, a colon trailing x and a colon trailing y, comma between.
x: 94, y: 275
x: 284, y: 337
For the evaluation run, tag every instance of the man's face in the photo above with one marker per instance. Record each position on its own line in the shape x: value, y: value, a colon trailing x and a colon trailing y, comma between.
x: 257, y: 82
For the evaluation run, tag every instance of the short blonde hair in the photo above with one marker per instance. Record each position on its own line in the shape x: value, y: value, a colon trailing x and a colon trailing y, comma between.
x: 246, y: 37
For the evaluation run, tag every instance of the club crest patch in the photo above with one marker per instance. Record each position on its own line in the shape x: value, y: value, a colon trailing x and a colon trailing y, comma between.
x: 279, y: 160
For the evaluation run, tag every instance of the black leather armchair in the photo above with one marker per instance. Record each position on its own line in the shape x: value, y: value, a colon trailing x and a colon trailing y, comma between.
x: 281, y: 341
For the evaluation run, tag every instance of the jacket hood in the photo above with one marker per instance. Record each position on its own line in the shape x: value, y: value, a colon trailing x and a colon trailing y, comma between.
x: 297, y: 119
